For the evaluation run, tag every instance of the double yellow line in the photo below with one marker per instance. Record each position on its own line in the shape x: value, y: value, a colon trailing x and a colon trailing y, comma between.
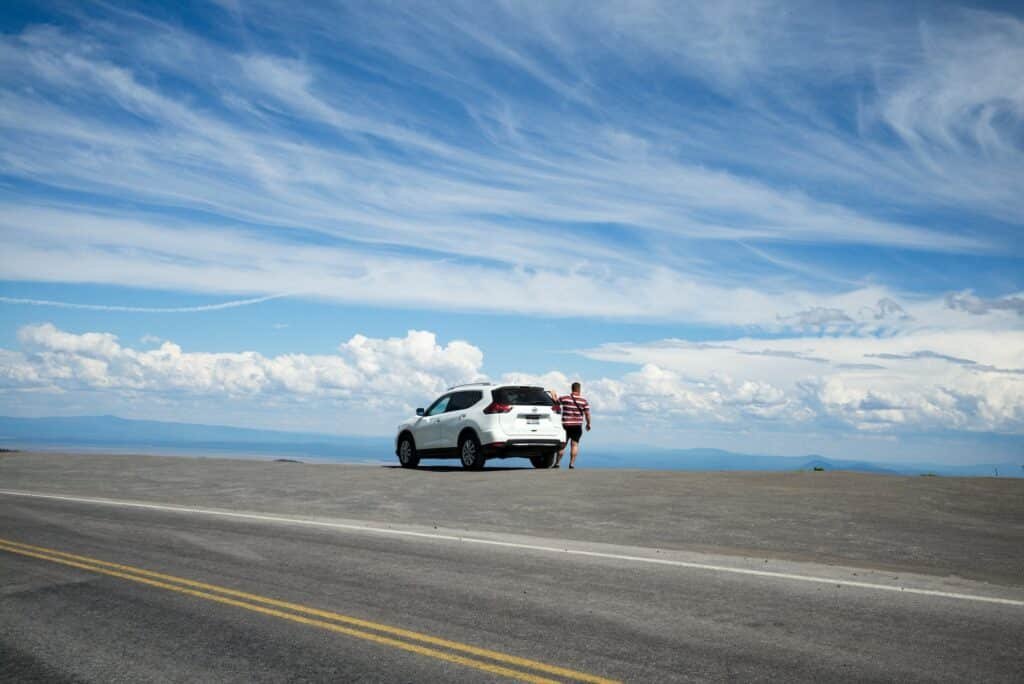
x: 483, y: 659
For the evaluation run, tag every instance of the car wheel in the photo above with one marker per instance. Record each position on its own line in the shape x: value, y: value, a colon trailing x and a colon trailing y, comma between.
x: 544, y: 460
x: 407, y: 453
x: 470, y: 453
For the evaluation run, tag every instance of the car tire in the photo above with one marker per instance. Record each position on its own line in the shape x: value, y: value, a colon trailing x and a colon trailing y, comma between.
x: 470, y: 453
x: 543, y: 461
x: 407, y: 452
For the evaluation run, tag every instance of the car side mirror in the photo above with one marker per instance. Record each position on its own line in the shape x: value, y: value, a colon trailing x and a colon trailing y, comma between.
x: 420, y: 412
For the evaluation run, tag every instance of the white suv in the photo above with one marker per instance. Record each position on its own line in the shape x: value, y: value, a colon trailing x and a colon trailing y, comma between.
x: 480, y: 421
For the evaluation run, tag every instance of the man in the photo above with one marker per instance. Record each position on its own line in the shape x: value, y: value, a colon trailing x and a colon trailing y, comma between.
x: 574, y: 409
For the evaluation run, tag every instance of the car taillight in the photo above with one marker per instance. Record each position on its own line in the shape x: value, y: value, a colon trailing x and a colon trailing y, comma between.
x: 556, y: 408
x: 495, y: 407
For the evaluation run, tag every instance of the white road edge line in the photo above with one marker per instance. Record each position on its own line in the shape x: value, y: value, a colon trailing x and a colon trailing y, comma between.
x: 513, y: 545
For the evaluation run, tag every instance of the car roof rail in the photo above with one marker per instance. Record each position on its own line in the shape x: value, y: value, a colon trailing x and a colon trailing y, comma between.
x: 469, y: 384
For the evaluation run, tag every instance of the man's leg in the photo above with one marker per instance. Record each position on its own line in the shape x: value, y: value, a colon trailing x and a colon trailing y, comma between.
x: 575, y: 450
x: 568, y: 438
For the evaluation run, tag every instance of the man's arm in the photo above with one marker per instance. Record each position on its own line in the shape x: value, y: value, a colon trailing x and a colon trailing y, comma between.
x: 586, y: 412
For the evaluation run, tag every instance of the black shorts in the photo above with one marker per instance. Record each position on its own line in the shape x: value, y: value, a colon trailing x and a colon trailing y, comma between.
x: 573, y: 432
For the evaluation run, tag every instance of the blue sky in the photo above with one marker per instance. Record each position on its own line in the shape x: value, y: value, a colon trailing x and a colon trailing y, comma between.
x: 774, y: 227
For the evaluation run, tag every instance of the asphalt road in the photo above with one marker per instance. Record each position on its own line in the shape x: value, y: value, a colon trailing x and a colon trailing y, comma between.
x: 966, y: 527
x: 279, y: 596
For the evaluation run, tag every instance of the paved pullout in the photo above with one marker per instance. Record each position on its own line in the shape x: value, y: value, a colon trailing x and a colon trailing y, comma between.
x: 966, y: 527
x: 620, y: 618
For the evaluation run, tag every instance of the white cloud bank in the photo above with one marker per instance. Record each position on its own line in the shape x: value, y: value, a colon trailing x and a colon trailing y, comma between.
x: 969, y: 381
x: 924, y: 381
x: 372, y: 371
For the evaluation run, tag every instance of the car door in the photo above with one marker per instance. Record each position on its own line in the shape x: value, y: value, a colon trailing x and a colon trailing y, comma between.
x: 455, y: 417
x: 428, y: 431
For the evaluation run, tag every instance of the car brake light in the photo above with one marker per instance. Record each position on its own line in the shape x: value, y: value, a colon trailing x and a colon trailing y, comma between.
x: 495, y: 407
x: 556, y: 408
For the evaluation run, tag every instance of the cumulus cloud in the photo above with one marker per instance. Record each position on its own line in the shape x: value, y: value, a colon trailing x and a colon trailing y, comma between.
x: 888, y: 309
x: 379, y: 371
x: 967, y: 301
x: 817, y: 318
x: 667, y: 395
x: 917, y: 382
x: 855, y: 314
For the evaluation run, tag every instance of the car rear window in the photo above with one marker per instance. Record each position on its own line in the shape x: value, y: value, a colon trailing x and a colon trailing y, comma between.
x: 463, y: 400
x: 522, y: 396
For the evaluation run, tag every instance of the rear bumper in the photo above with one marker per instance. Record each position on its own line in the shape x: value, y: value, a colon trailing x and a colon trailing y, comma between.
x: 521, y: 447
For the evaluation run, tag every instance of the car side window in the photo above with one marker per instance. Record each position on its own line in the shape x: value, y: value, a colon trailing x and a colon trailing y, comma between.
x: 463, y: 400
x: 439, y: 406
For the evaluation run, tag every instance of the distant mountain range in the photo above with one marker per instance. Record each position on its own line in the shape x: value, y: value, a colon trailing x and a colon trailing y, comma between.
x: 716, y: 459
x: 121, y: 434
x: 98, y: 432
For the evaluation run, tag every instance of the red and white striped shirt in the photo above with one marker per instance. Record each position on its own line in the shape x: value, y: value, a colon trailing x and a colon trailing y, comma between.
x: 573, y: 408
